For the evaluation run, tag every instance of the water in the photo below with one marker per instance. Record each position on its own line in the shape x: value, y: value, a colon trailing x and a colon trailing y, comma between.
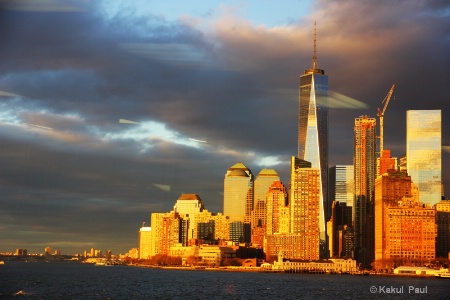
x: 19, y: 280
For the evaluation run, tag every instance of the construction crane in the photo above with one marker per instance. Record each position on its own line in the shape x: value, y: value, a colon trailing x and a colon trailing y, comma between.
x: 381, y: 115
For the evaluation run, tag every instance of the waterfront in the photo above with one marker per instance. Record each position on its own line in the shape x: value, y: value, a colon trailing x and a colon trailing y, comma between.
x: 85, y: 281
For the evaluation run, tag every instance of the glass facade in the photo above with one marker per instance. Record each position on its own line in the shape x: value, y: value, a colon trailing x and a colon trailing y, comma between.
x: 342, y: 186
x: 313, y: 130
x: 423, y: 153
x: 364, y: 161
x: 238, y: 201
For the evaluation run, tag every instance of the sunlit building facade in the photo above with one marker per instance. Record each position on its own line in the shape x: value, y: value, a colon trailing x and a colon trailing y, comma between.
x: 364, y: 161
x: 411, y: 231
x: 262, y: 183
x: 188, y: 206
x: 423, y: 153
x: 342, y: 185
x: 275, y: 201
x: 385, y: 162
x: 238, y: 201
x: 390, y: 188
x: 305, y: 208
x: 145, y: 242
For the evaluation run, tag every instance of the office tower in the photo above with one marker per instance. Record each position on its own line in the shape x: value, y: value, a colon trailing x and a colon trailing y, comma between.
x: 238, y: 201
x: 364, y: 160
x: 262, y: 183
x: 166, y: 229
x: 145, y: 242
x: 423, y: 153
x: 258, y: 220
x: 217, y: 225
x: 411, y: 231
x: 341, y: 216
x: 304, y: 203
x: 341, y: 185
x: 275, y: 201
x: 188, y: 206
x: 385, y: 162
x: 443, y: 228
x: 313, y: 127
x: 390, y: 188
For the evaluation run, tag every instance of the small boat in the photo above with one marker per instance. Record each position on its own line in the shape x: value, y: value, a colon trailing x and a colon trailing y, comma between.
x: 2, y: 262
x: 445, y: 273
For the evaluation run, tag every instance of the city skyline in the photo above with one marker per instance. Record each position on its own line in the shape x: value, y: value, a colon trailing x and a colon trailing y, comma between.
x: 202, y: 88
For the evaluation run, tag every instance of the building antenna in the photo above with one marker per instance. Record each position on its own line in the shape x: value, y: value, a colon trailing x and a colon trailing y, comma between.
x: 314, y: 56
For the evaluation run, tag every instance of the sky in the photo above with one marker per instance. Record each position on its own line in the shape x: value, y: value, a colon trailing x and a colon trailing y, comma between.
x: 110, y: 110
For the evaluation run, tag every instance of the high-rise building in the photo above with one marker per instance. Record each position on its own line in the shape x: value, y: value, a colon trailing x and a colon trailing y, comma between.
x: 364, y: 161
x: 304, y: 204
x: 188, y: 206
x: 423, y: 153
x: 385, y: 162
x: 313, y: 128
x: 145, y: 242
x: 443, y: 228
x: 275, y: 201
x: 390, y: 188
x: 238, y: 201
x: 341, y: 216
x: 262, y: 183
x: 411, y: 231
x: 341, y: 185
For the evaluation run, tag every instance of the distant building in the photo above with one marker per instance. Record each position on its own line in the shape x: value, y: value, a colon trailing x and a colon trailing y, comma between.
x: 189, y: 206
x: 332, y: 265
x: 276, y: 199
x: 411, y: 231
x: 364, y: 160
x: 390, y: 188
x: 341, y: 216
x: 423, y: 153
x: 262, y: 183
x: 21, y: 252
x: 145, y: 242
x: 238, y: 201
x: 305, y: 208
x: 385, y: 162
x: 443, y: 228
x: 48, y: 251
x: 342, y: 185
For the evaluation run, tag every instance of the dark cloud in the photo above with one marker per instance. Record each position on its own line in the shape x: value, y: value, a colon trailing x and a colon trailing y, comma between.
x: 75, y: 178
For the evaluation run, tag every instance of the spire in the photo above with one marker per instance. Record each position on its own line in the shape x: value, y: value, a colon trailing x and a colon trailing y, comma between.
x: 314, y: 56
x: 314, y: 69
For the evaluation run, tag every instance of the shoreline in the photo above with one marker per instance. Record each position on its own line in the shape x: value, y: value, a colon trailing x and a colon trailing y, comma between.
x: 259, y: 270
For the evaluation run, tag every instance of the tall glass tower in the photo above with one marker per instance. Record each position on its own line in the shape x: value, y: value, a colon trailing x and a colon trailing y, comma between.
x: 423, y: 153
x: 238, y: 201
x: 313, y: 127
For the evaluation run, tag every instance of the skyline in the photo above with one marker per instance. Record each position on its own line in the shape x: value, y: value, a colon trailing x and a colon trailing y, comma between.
x: 68, y: 74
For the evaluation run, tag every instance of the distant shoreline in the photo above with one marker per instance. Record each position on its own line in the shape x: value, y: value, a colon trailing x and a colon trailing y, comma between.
x: 259, y: 270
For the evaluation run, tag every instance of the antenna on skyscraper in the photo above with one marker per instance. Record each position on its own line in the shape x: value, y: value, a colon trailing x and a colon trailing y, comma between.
x: 314, y: 56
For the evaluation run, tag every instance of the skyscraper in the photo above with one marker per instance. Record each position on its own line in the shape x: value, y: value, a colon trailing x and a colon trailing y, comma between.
x: 238, y: 201
x: 364, y: 161
x: 262, y: 183
x: 423, y: 153
x: 275, y: 201
x: 341, y: 185
x: 304, y: 204
x: 313, y: 127
x: 390, y: 188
